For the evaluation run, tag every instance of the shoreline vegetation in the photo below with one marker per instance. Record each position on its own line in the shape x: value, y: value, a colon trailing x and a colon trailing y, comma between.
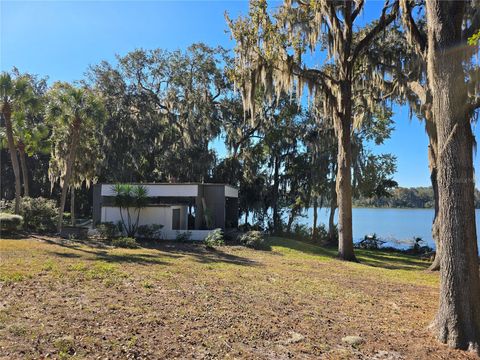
x: 405, y: 198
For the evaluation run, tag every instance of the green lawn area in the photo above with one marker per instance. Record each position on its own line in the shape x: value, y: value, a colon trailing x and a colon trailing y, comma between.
x: 69, y: 300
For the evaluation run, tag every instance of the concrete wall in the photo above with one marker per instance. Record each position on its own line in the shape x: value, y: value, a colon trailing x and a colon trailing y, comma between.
x: 215, y: 201
x: 159, y: 215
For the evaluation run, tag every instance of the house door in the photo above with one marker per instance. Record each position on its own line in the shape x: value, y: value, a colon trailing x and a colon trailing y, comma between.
x: 175, y: 219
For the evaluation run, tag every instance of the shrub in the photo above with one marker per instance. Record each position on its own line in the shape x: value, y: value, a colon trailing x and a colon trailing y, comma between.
x: 232, y: 235
x: 253, y: 239
x: 370, y: 242
x: 10, y: 222
x: 39, y: 214
x: 107, y: 230
x: 150, y: 231
x: 418, y: 247
x: 183, y: 236
x: 125, y: 242
x: 214, y: 238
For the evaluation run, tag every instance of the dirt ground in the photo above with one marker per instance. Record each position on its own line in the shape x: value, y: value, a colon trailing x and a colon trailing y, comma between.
x: 61, y: 299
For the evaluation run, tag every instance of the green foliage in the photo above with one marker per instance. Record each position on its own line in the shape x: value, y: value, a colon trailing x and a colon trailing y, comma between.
x: 39, y: 214
x: 125, y: 242
x: 153, y: 231
x: 130, y: 199
x: 10, y: 222
x: 214, y: 238
x: 474, y: 39
x: 107, y: 230
x: 419, y: 197
x: 183, y: 236
x: 253, y: 239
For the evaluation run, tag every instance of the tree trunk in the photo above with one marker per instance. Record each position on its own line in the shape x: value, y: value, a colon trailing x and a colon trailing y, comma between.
x: 343, y: 126
x: 276, y: 184
x: 458, y: 319
x: 68, y: 171
x: 7, y: 113
x: 331, y: 218
x: 23, y: 162
x: 72, y: 205
x: 291, y: 217
x: 315, y: 218
x: 432, y: 157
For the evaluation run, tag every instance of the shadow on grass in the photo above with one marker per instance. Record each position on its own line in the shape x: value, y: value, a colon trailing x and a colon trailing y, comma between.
x: 163, y: 249
x: 394, y: 260
x: 13, y: 236
x: 199, y: 252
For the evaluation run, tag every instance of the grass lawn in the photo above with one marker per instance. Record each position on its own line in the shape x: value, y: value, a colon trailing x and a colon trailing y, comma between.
x: 68, y: 300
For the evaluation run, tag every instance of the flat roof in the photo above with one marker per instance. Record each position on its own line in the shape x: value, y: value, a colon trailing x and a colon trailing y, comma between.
x: 179, y: 183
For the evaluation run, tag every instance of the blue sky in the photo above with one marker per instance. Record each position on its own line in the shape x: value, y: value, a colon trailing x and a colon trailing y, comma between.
x: 62, y: 38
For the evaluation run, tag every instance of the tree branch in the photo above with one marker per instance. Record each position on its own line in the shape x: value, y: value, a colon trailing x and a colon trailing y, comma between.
x: 416, y: 38
x: 382, y: 23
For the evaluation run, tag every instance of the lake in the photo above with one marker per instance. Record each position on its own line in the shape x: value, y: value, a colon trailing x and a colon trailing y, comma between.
x: 396, y: 226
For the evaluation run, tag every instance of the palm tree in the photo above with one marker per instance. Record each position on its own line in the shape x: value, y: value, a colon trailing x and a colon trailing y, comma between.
x: 130, y: 199
x: 72, y: 110
x: 16, y: 94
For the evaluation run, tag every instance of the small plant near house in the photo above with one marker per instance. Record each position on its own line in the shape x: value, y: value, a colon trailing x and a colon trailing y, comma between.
x: 253, y: 239
x: 125, y: 242
x: 107, y: 230
x: 10, y: 223
x: 214, y: 238
x: 130, y: 199
x: 153, y: 231
x: 183, y: 236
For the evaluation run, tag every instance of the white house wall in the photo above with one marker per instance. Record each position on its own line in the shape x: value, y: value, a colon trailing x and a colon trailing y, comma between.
x: 231, y: 191
x: 171, y: 190
x: 159, y: 215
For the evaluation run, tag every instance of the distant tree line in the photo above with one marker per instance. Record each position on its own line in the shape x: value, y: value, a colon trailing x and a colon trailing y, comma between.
x: 401, y: 197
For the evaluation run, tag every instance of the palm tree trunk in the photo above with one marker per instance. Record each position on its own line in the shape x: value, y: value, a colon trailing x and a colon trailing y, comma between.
x: 72, y: 205
x: 7, y: 113
x: 458, y: 319
x: 23, y: 162
x: 69, y: 169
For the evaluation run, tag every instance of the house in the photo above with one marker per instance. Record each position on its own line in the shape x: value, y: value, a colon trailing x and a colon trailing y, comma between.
x: 194, y: 207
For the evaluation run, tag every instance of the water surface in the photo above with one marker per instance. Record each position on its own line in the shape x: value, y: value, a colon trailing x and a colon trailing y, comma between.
x: 397, y: 226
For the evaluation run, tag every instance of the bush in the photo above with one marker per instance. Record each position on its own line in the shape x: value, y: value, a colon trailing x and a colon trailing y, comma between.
x: 418, y: 247
x: 214, y: 238
x: 150, y: 231
x: 232, y: 235
x: 10, y: 222
x: 370, y: 242
x: 39, y: 214
x: 125, y: 242
x: 183, y: 236
x: 253, y: 239
x: 107, y: 230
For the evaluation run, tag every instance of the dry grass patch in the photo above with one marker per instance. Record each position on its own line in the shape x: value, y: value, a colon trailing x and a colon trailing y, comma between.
x: 70, y: 300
